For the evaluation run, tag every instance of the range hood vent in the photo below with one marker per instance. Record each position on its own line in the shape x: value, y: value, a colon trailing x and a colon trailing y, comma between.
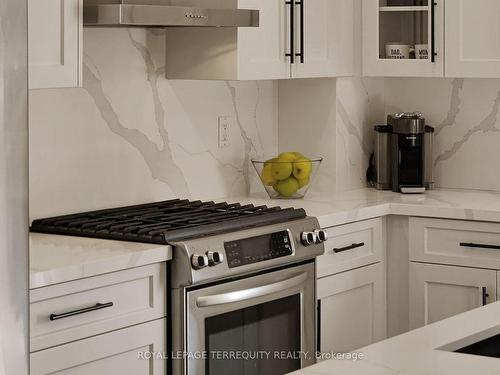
x: 154, y: 13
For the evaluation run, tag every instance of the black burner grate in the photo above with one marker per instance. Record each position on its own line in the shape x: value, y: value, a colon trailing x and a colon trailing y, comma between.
x: 165, y: 222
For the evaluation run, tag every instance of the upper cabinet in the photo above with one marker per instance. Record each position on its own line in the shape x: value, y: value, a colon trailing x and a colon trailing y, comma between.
x: 324, y: 38
x: 403, y: 38
x: 472, y: 30
x: 54, y: 43
x: 262, y: 51
x: 295, y: 39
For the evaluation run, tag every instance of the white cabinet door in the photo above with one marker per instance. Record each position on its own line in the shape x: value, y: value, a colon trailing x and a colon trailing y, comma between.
x: 403, y: 28
x: 352, y: 309
x: 54, y: 46
x: 472, y: 30
x: 262, y: 51
x: 328, y: 32
x: 438, y: 292
x: 119, y: 352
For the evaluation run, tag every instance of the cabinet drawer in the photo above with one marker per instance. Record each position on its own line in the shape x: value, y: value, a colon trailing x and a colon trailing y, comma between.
x: 351, y: 246
x: 455, y: 242
x: 70, y: 311
x: 120, y: 352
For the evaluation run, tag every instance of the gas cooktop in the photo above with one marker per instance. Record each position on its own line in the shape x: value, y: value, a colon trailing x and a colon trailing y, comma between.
x: 167, y: 221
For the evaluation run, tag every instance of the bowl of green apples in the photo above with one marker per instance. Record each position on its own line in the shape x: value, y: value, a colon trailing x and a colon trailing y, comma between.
x: 287, y: 176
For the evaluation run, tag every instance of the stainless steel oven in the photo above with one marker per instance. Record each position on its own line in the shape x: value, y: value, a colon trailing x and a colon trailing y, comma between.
x: 258, y: 325
x: 241, y: 283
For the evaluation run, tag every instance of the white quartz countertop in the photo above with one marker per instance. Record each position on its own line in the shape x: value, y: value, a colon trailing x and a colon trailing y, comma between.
x: 57, y: 259
x: 344, y: 207
x: 416, y: 353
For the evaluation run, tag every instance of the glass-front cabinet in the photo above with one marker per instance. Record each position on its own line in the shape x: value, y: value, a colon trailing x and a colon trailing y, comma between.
x: 403, y: 38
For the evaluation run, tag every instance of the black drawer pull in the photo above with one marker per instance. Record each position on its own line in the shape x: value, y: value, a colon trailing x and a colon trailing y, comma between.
x: 98, y: 306
x: 479, y: 246
x: 347, y: 248
x: 485, y: 295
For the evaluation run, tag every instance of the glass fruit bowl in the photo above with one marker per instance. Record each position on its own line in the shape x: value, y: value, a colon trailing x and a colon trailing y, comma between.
x: 288, y: 176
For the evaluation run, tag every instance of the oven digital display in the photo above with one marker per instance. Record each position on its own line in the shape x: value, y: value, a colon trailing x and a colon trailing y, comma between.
x: 258, y: 249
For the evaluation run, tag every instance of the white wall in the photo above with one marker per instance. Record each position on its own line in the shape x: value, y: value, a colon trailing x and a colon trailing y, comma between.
x: 131, y: 136
x: 13, y: 188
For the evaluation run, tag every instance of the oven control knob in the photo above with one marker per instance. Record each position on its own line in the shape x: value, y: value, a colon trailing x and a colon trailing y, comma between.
x: 214, y: 258
x: 308, y: 238
x: 321, y: 236
x: 199, y: 261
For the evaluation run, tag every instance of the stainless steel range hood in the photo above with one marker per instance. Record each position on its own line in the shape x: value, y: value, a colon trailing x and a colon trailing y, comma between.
x: 162, y: 13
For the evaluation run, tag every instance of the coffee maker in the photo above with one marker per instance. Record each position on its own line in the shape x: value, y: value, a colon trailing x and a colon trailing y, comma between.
x: 403, y: 154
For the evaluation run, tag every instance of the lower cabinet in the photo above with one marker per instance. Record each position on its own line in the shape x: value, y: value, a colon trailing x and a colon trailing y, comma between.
x: 438, y: 292
x: 118, y: 352
x: 352, y: 309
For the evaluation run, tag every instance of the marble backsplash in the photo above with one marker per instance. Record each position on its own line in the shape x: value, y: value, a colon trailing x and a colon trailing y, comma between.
x: 131, y: 136
x: 465, y: 113
x: 333, y: 119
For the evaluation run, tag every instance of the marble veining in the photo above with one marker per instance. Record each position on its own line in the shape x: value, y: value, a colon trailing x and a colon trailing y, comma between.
x: 159, y: 160
x: 455, y: 102
x: 247, y: 141
x: 465, y: 115
x: 485, y: 126
x: 130, y: 135
x: 359, y: 108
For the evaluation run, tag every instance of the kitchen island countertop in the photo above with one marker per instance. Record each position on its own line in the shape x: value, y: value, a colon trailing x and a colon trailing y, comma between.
x: 417, y: 353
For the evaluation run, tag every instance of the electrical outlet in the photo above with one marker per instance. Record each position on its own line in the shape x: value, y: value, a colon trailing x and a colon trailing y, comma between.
x: 224, y: 126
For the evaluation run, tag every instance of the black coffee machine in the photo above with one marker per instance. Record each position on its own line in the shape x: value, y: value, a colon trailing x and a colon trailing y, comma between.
x: 403, y: 154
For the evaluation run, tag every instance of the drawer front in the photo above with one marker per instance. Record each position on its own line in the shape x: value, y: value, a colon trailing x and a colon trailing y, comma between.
x: 351, y: 246
x: 123, y: 352
x: 455, y: 242
x: 87, y: 307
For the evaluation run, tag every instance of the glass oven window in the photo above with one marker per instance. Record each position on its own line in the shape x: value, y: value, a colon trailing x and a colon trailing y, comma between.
x: 273, y: 328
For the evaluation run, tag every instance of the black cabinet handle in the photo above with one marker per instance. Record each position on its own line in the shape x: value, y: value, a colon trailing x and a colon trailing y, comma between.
x: 485, y: 296
x: 302, y: 38
x: 347, y: 248
x: 433, y: 31
x: 479, y: 246
x: 98, y: 306
x: 291, y: 3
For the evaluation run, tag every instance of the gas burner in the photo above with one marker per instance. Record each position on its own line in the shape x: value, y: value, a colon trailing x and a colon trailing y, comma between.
x: 167, y: 221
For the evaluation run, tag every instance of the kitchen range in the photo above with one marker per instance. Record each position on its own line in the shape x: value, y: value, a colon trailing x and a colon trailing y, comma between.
x: 242, y: 279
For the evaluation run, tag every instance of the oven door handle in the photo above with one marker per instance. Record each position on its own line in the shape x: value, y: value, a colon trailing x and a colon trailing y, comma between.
x: 246, y: 294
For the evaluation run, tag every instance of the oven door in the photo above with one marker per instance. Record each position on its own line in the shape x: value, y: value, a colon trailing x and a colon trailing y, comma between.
x: 261, y: 325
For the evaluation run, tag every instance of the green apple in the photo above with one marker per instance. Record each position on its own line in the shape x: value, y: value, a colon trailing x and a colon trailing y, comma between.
x: 287, y: 156
x: 298, y: 155
x: 303, y: 182
x: 267, y: 175
x: 302, y: 168
x: 288, y: 187
x: 281, y: 169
